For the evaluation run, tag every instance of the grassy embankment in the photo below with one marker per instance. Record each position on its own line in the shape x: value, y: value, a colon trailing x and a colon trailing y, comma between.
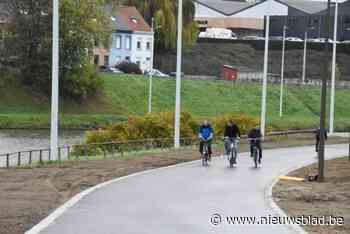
x: 127, y: 95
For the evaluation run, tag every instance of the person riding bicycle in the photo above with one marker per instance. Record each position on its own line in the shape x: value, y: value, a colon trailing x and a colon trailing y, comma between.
x: 318, y: 136
x: 255, y: 140
x: 206, y: 134
x: 231, y: 134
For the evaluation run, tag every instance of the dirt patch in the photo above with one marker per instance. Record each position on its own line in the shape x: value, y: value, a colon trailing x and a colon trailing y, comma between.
x: 29, y: 195
x: 331, y: 198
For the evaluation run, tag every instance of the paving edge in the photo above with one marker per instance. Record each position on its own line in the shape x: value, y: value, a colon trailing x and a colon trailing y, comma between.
x: 50, y: 219
x: 272, y: 204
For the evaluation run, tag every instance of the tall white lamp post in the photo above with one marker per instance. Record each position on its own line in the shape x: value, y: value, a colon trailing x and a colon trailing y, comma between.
x: 282, y: 69
x: 264, y: 88
x: 55, y: 83
x: 334, y: 66
x: 304, y: 58
x: 151, y: 73
x: 178, y: 77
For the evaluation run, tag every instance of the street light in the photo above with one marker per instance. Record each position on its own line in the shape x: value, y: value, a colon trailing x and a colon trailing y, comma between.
x: 304, y: 58
x: 178, y: 77
x: 151, y: 70
x: 334, y: 64
x: 282, y: 69
x: 55, y: 83
x: 321, y: 152
x: 151, y: 74
x: 264, y: 87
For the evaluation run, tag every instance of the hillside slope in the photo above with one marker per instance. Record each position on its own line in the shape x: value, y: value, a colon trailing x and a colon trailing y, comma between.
x: 128, y: 95
x: 206, y: 58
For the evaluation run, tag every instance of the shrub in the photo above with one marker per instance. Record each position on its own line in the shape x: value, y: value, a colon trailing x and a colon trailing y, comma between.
x: 244, y: 122
x: 150, y: 126
x: 161, y: 125
x: 129, y: 68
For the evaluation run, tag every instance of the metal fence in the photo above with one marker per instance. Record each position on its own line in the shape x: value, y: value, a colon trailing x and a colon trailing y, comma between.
x: 90, y: 151
x: 117, y: 149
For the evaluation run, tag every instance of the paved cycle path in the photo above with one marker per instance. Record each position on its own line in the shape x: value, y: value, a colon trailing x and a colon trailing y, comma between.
x: 182, y: 199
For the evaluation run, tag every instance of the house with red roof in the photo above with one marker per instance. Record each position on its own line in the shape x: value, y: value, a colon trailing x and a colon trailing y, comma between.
x: 132, y: 40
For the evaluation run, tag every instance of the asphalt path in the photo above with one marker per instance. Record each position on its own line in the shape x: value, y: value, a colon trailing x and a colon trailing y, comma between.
x: 187, y: 198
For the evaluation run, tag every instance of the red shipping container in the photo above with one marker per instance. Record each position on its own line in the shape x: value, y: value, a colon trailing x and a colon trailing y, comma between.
x: 228, y: 73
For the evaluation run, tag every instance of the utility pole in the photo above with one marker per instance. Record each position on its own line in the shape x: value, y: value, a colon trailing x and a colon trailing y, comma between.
x: 334, y: 66
x: 151, y: 73
x: 264, y: 86
x: 321, y: 152
x: 55, y: 83
x: 304, y: 58
x: 178, y: 77
x: 282, y: 69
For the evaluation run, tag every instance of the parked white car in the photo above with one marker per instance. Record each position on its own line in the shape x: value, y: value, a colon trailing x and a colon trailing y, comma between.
x: 346, y: 42
x: 321, y: 40
x: 294, y: 39
x: 156, y: 72
x: 219, y: 33
x: 253, y: 38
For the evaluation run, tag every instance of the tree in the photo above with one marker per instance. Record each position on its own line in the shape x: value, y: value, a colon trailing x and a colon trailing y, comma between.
x: 82, y: 23
x: 165, y: 15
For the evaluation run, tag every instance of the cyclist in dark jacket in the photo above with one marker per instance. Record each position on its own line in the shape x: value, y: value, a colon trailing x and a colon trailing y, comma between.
x: 206, y: 134
x: 318, y: 136
x: 232, y: 133
x: 255, y: 140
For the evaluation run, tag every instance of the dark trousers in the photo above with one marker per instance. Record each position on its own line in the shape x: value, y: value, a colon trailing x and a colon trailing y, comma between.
x: 201, y: 144
x: 317, y: 145
x: 258, y: 145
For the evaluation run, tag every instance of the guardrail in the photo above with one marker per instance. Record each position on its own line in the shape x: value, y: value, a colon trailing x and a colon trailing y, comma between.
x: 86, y: 151
x: 112, y: 149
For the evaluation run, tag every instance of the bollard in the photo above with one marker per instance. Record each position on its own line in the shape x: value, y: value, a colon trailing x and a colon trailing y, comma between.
x: 349, y: 148
x: 19, y: 159
x: 40, y: 156
x: 7, y: 160
x: 30, y: 157
x: 68, y: 152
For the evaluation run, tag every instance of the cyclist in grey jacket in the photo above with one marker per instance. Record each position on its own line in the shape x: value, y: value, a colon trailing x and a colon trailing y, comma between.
x: 255, y: 140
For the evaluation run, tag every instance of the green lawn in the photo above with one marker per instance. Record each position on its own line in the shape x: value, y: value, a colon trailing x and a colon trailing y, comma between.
x: 125, y: 95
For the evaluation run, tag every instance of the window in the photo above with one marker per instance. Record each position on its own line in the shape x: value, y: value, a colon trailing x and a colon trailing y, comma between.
x: 138, y: 63
x: 127, y: 58
x: 347, y: 24
x: 148, y: 59
x: 292, y: 21
x: 139, y: 45
x: 96, y: 59
x: 313, y: 23
x: 106, y: 62
x: 148, y: 45
x: 128, y: 43
x: 118, y: 42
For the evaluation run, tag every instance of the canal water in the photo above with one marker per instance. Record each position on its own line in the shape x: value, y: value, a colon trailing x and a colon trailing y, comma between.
x: 22, y: 140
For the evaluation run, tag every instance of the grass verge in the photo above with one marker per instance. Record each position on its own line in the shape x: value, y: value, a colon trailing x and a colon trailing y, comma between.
x: 331, y: 198
x: 125, y: 95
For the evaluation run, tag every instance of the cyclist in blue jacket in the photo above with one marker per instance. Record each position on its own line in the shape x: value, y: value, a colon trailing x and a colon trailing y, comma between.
x: 206, y: 134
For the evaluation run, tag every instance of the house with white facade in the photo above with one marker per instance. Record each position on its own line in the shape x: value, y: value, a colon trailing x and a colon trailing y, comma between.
x: 132, y: 40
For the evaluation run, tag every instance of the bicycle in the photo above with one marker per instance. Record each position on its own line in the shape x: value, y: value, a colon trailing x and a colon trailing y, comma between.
x: 255, y: 151
x: 205, y: 154
x: 233, y: 150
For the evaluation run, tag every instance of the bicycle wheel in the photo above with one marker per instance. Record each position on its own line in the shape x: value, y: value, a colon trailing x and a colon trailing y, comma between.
x: 255, y: 154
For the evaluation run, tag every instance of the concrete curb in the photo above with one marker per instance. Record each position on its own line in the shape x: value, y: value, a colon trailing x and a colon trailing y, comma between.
x: 272, y: 204
x: 74, y: 200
